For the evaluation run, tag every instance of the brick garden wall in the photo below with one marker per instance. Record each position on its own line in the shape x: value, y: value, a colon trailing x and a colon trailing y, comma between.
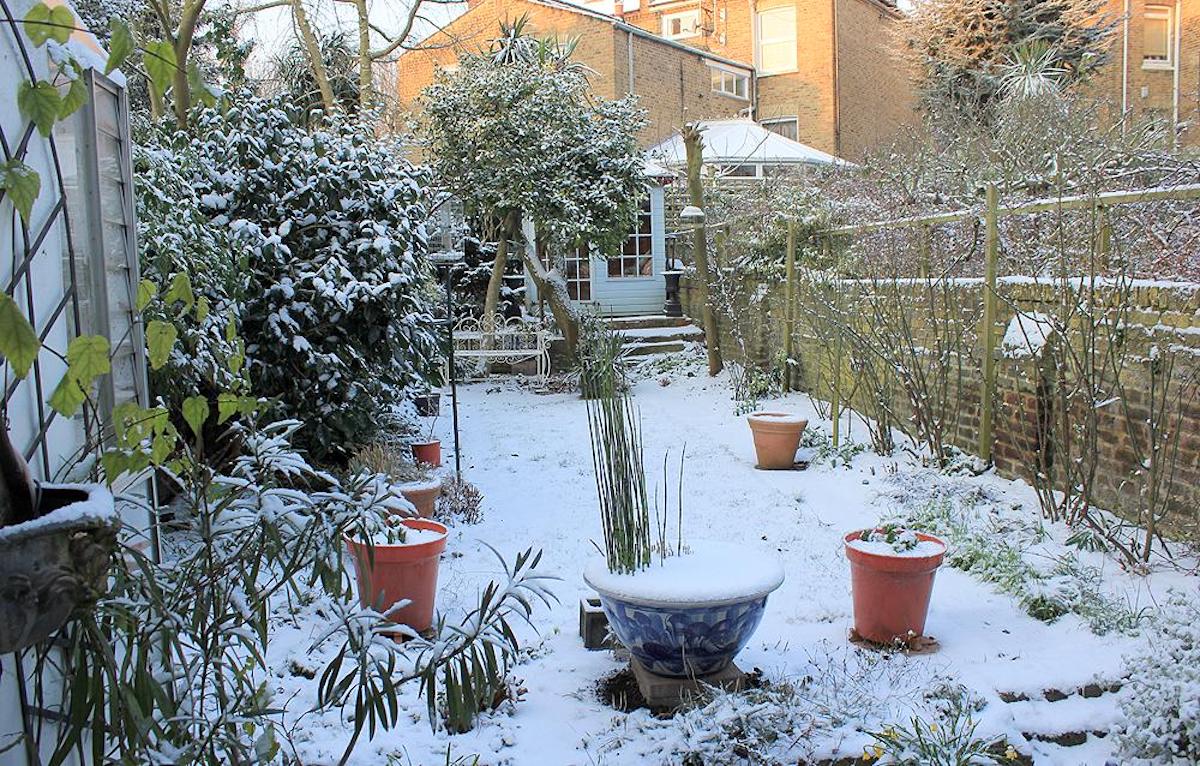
x: 1160, y: 314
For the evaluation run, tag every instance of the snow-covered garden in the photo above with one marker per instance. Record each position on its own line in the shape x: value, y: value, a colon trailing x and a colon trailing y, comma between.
x: 913, y: 480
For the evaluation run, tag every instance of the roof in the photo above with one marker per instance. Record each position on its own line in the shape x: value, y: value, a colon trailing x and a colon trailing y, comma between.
x: 738, y: 142
x: 637, y: 31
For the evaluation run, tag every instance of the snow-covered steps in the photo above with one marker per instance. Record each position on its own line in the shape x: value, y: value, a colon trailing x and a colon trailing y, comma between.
x: 647, y: 335
x: 645, y: 321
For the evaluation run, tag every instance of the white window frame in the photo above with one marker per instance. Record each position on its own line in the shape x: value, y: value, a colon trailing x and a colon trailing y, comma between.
x: 728, y: 75
x: 780, y: 120
x: 683, y: 17
x: 773, y: 26
x: 1165, y: 13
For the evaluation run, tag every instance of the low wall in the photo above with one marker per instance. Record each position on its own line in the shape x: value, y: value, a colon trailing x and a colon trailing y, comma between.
x: 1166, y: 315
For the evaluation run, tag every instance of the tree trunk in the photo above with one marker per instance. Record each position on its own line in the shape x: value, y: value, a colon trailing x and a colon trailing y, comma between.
x: 181, y: 90
x: 312, y: 47
x: 695, y: 158
x: 551, y: 284
x: 366, y: 84
x: 496, y: 281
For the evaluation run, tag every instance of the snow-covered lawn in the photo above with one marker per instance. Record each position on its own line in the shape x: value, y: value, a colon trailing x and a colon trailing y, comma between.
x: 530, y: 455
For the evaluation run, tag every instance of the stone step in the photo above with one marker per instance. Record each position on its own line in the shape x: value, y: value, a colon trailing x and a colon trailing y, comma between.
x: 661, y: 334
x: 649, y: 349
x: 646, y: 321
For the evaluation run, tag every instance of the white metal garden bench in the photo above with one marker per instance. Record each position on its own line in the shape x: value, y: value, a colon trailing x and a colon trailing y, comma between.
x: 497, y: 339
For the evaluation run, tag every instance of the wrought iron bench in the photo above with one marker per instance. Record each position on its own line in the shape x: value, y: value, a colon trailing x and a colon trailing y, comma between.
x: 497, y: 339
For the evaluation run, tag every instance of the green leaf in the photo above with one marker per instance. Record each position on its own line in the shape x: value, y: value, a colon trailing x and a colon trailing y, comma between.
x: 68, y: 396
x: 160, y: 339
x: 39, y: 103
x: 230, y: 329
x: 75, y: 97
x: 22, y: 184
x: 180, y: 290
x: 120, y: 44
x: 201, y: 309
x: 44, y: 23
x: 162, y: 447
x: 199, y: 90
x: 159, y: 59
x: 87, y: 358
x: 145, y: 293
x: 227, y: 407
x: 236, y: 361
x: 195, y: 412
x: 114, y: 462
x: 19, y: 344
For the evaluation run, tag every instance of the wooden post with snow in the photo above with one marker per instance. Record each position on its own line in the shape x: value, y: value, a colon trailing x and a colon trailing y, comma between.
x: 789, y: 305
x: 695, y: 160
x: 987, y: 332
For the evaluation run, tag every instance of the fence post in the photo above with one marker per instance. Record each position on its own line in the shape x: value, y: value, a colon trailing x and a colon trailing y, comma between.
x: 924, y: 236
x: 789, y: 308
x: 987, y: 333
x: 835, y: 364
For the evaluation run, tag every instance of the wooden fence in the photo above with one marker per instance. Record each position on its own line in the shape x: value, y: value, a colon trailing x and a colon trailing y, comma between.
x: 990, y: 215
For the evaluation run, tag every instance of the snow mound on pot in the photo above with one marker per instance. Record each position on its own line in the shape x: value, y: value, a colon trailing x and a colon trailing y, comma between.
x: 921, y: 550
x: 777, y: 417
x: 710, y: 572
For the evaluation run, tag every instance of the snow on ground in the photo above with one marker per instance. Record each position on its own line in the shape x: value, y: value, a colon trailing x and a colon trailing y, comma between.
x: 530, y: 455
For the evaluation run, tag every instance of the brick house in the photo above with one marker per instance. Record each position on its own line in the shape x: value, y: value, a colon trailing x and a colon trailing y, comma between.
x: 1154, y: 62
x: 817, y: 71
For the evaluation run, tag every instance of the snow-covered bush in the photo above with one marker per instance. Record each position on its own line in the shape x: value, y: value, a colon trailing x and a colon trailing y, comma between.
x: 1162, y: 707
x: 328, y: 227
x: 193, y: 278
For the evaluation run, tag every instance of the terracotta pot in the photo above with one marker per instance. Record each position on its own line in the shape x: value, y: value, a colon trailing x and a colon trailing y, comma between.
x: 776, y: 438
x: 388, y: 573
x: 428, y: 453
x: 423, y: 495
x: 891, y: 593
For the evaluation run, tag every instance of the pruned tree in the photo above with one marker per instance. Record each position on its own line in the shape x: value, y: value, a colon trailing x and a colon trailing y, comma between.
x: 964, y: 50
x: 516, y: 134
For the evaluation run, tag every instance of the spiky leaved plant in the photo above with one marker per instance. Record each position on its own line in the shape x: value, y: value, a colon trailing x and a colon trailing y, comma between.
x: 614, y: 425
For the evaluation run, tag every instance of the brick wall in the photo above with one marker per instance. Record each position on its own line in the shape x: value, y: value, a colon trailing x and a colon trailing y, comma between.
x: 1160, y: 314
x: 876, y: 91
x: 673, y: 84
x: 1150, y: 91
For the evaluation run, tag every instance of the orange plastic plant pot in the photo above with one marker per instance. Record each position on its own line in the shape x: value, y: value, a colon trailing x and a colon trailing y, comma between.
x: 423, y: 497
x: 386, y: 574
x: 428, y: 453
x: 891, y: 593
x: 776, y: 438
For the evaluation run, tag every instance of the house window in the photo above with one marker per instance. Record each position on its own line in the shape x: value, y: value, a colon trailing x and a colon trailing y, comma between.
x: 741, y: 171
x: 579, y: 274
x: 1157, y: 48
x: 775, y: 33
x: 636, y: 257
x: 788, y: 127
x: 730, y: 83
x: 676, y: 26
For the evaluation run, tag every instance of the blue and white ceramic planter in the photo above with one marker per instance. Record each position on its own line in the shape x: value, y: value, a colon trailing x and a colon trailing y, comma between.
x: 699, y: 632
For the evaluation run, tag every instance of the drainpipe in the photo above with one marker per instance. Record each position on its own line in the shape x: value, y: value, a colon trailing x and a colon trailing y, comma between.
x: 1178, y: 59
x: 629, y: 37
x: 1125, y: 68
x: 837, y: 90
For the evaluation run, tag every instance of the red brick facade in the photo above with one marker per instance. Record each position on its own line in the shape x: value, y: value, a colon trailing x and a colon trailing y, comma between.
x: 846, y: 92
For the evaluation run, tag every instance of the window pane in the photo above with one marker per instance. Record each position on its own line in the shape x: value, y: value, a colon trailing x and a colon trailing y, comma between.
x: 1157, y: 43
x: 785, y: 128
x: 777, y: 40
